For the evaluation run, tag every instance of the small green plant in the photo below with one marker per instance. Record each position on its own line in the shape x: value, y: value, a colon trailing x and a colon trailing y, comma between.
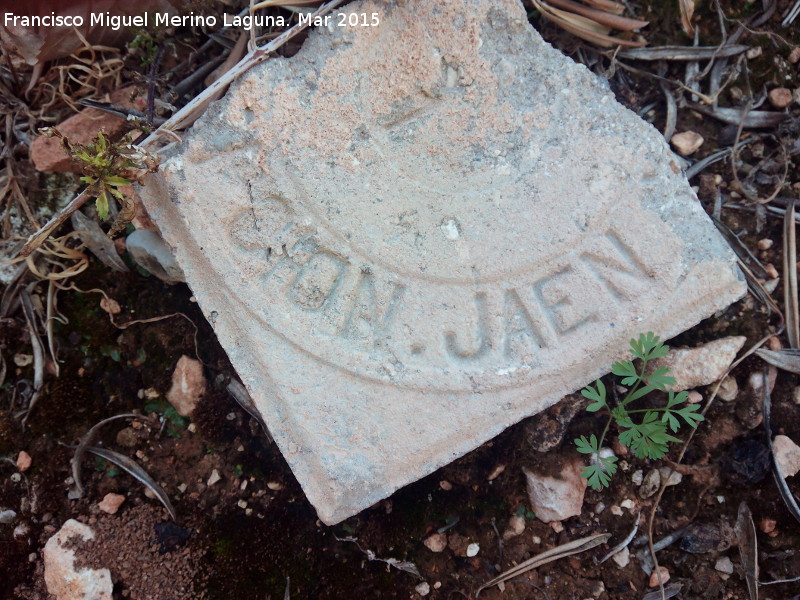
x: 649, y: 437
x: 106, y: 167
x: 148, y: 45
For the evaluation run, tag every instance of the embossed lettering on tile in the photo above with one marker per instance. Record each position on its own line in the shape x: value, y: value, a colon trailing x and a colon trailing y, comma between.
x: 411, y: 236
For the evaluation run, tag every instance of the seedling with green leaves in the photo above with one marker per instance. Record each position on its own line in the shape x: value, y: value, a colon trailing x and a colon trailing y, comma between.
x: 106, y: 166
x: 648, y: 437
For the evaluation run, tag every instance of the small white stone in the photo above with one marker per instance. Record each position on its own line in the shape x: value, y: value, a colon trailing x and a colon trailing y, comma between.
x: 637, y: 477
x: 436, y: 542
x: 599, y: 508
x: 110, y: 503
x: 557, y: 498
x: 628, y: 503
x: 63, y: 580
x: 695, y: 397
x: 23, y: 360
x: 213, y: 478
x: 21, y: 531
x: 473, y: 549
x: 787, y: 455
x: 687, y: 142
x: 423, y: 589
x: 724, y: 565
x: 616, y: 510
x: 654, y: 576
x: 606, y: 453
x: 728, y: 389
x: 670, y: 477
x: 701, y: 365
x: 516, y: 525
x: 721, y: 499
x: 650, y: 485
x: 622, y: 558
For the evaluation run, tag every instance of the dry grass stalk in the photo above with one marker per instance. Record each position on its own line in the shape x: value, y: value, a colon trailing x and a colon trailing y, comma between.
x: 592, y: 23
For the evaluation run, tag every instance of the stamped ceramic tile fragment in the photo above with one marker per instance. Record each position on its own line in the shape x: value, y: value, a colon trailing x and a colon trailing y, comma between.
x: 410, y: 236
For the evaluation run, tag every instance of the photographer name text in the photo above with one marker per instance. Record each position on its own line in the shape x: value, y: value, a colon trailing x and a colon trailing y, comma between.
x: 246, y: 22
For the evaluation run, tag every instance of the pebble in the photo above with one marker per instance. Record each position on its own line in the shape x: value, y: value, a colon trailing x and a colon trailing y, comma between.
x: 754, y: 52
x: 23, y: 461
x: 638, y: 477
x: 670, y: 477
x: 687, y: 142
x: 622, y: 558
x: 616, y: 510
x: 213, y: 478
x: 188, y: 385
x: 605, y: 453
x: 695, y: 397
x: 702, y: 365
x: 794, y: 55
x: 787, y: 455
x: 445, y: 485
x: 557, y: 498
x: 619, y: 449
x: 796, y: 395
x: 628, y: 503
x: 598, y: 589
x: 436, y: 542
x: 516, y: 525
x: 62, y: 579
x: 780, y: 97
x: 765, y: 244
x: 724, y: 565
x: 771, y: 271
x: 728, y: 389
x: 7, y: 517
x: 496, y: 472
x: 654, y: 576
x: 599, y: 508
x: 473, y: 549
x: 110, y: 306
x: 21, y: 531
x: 153, y: 254
x: 23, y: 360
x: 767, y: 525
x: 650, y: 485
x: 127, y: 438
x: 111, y: 503
x: 423, y: 589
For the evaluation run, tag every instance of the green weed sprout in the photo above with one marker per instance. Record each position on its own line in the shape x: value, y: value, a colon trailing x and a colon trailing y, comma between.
x: 649, y: 437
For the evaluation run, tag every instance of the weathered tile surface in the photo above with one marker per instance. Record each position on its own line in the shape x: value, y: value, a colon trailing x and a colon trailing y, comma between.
x: 411, y: 236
